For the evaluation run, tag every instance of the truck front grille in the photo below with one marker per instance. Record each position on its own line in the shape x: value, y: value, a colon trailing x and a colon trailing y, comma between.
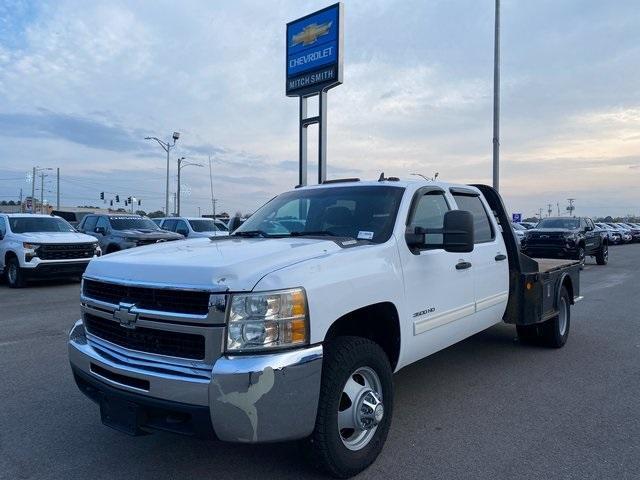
x: 149, y: 340
x: 65, y: 251
x: 166, y: 300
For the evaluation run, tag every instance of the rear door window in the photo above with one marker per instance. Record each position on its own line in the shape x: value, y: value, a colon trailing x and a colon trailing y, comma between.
x: 482, y: 228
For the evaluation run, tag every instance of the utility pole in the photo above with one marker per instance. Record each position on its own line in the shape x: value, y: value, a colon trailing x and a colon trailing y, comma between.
x: 549, y: 210
x: 21, y: 205
x: 496, y: 99
x: 540, y: 213
x: 166, y: 146
x: 42, y: 175
x: 33, y: 191
x: 58, y: 188
x: 181, y: 165
x: 558, y: 205
x: 571, y: 207
x: 213, y: 203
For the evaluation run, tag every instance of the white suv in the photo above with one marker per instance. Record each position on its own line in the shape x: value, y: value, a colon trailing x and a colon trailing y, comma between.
x: 44, y: 246
x: 194, y: 227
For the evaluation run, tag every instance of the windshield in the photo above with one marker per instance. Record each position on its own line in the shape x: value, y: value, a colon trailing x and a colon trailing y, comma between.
x: 39, y: 224
x: 132, y: 223
x: 204, y: 226
x: 568, y: 223
x: 362, y: 212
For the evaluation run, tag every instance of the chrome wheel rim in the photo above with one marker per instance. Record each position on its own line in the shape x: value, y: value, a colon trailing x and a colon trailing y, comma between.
x: 605, y: 252
x: 562, y: 316
x: 12, y: 273
x: 360, y: 409
x: 581, y: 256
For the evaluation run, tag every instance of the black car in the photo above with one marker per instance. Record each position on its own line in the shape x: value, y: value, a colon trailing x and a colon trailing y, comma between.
x: 566, y: 237
x: 121, y: 231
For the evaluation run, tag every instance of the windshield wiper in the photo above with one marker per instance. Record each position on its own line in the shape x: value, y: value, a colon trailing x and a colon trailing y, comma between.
x: 251, y: 233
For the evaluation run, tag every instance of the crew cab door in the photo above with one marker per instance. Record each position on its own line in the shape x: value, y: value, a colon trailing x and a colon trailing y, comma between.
x: 438, y: 285
x: 489, y: 259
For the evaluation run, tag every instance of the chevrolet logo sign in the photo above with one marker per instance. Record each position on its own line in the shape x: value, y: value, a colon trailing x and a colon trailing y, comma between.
x: 309, y: 34
x: 125, y: 316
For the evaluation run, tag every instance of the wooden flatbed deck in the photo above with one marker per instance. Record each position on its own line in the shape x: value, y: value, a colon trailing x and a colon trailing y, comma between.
x: 550, y: 264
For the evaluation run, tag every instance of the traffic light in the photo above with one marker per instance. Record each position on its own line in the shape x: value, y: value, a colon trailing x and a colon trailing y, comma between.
x: 125, y: 203
x: 101, y: 195
x: 111, y: 203
x: 117, y: 198
x: 139, y: 202
x: 129, y: 199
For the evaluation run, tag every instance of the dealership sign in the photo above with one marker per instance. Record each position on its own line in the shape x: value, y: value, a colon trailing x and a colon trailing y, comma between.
x: 314, y: 52
x: 516, y: 217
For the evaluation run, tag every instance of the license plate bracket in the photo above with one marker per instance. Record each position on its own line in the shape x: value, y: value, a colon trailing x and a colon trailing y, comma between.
x: 120, y: 415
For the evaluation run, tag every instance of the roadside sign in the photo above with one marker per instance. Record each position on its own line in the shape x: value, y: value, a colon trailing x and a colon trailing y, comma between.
x: 516, y: 217
x: 314, y: 52
x: 29, y: 205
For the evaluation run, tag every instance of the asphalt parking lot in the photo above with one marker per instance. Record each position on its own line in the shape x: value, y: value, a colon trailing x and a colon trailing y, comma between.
x: 485, y: 408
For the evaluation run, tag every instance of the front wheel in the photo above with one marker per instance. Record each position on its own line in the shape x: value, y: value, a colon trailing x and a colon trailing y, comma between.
x: 355, y: 407
x: 580, y: 256
x: 602, y: 257
x: 15, y: 275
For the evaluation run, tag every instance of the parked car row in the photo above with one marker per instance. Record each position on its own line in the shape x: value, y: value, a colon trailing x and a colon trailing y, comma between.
x: 573, y: 237
x: 47, y: 246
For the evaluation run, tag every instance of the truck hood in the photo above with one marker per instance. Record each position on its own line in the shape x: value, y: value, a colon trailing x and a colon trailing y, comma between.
x: 552, y: 230
x: 225, y: 263
x: 54, y: 237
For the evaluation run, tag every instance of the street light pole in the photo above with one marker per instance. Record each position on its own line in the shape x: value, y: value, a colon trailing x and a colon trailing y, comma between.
x: 496, y: 100
x: 180, y: 167
x: 167, y: 148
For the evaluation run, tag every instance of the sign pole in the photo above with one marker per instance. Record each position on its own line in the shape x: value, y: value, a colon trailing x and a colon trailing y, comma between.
x: 322, y: 136
x: 302, y: 167
x: 314, y: 65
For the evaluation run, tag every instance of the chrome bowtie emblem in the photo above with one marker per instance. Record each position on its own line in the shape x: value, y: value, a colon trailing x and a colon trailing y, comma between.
x: 309, y: 35
x: 125, y: 316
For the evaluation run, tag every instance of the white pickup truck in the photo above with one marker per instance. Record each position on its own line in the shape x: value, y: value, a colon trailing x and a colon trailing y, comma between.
x: 292, y: 326
x: 42, y: 246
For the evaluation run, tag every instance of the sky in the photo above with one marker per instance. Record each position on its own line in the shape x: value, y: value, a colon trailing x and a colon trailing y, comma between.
x: 82, y: 83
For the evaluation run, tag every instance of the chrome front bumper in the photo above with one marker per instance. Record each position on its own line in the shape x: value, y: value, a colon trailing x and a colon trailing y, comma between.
x: 251, y: 398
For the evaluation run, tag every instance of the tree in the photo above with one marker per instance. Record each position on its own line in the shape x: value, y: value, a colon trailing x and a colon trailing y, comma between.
x: 141, y: 213
x: 156, y: 214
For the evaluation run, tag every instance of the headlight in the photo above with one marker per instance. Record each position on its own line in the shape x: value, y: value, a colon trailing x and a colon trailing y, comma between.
x: 263, y: 321
x: 30, y: 246
x: 97, y: 251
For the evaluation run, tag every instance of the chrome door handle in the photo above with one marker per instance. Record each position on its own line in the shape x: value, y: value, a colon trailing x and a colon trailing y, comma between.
x: 463, y: 265
x: 500, y: 257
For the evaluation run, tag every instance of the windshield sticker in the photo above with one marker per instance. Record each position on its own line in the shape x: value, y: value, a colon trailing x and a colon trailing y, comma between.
x: 362, y: 235
x: 349, y: 242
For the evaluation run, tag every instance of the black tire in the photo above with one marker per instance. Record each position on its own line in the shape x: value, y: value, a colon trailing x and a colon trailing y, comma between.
x: 325, y: 447
x: 15, y: 276
x: 580, y: 256
x: 553, y: 334
x: 112, y: 249
x: 602, y: 257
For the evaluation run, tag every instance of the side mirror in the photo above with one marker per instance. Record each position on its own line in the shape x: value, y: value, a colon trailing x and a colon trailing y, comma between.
x: 234, y: 223
x: 458, y: 231
x: 100, y: 230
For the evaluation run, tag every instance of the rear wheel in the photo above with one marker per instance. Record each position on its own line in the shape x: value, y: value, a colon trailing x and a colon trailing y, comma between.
x: 355, y: 407
x: 555, y: 331
x: 15, y: 275
x: 552, y: 333
x: 602, y: 257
